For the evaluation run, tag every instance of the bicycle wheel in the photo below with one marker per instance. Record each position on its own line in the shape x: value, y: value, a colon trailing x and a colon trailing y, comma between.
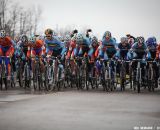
x: 86, y: 77
x: 20, y: 75
x: 94, y: 78
x: 1, y: 78
x: 6, y: 83
x: 46, y: 81
x: 36, y: 78
x: 27, y: 76
x: 138, y: 81
x: 122, y: 77
x: 104, y: 78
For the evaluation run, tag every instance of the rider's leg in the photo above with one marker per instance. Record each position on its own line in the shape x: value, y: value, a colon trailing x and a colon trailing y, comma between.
x: 41, y: 63
x: 33, y: 53
x: 9, y: 54
x: 1, y: 54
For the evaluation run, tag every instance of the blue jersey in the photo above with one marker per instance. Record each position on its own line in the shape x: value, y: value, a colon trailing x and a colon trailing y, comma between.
x: 53, y: 44
x: 87, y: 41
x: 136, y: 47
x: 123, y: 50
x: 110, y: 42
x: 139, y: 50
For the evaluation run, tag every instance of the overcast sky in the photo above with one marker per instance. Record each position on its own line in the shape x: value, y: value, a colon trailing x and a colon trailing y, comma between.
x: 137, y: 17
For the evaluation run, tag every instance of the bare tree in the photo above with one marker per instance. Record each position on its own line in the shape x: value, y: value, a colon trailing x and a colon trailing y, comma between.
x: 14, y: 17
x: 26, y: 25
x: 3, y: 9
x: 38, y: 12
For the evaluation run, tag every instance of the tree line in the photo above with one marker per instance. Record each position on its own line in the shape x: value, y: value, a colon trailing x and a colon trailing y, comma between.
x: 16, y: 19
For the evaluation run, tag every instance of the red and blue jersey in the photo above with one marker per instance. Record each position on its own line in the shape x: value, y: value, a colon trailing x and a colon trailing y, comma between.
x: 6, y: 42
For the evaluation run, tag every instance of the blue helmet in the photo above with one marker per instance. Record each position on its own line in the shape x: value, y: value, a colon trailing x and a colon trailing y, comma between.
x: 151, y: 41
x: 107, y: 33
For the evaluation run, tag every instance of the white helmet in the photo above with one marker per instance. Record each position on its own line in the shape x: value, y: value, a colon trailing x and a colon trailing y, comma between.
x: 67, y: 38
x: 79, y: 38
x: 2, y: 33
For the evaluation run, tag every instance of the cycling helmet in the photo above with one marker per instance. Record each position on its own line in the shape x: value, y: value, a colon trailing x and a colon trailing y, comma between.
x: 108, y: 34
x: 67, y: 38
x: 140, y: 39
x: 149, y: 42
x: 48, y: 31
x: 123, y: 39
x: 24, y: 38
x: 79, y: 38
x: 88, y: 32
x: 32, y: 39
x: 94, y: 39
x: 2, y: 33
x: 74, y: 32
x: 73, y: 38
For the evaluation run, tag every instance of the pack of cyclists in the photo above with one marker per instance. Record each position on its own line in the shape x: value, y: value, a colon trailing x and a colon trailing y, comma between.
x: 76, y: 44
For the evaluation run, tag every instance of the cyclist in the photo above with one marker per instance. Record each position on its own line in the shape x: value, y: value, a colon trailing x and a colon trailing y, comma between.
x: 82, y: 46
x: 123, y: 48
x: 22, y: 46
x: 6, y: 49
x: 93, y: 48
x: 93, y: 52
x: 123, y: 51
x: 107, y: 50
x: 72, y: 46
x: 158, y: 52
x: 54, y: 47
x: 37, y: 49
x: 67, y: 40
x: 139, y: 50
x: 152, y: 45
x: 21, y: 49
x: 108, y: 47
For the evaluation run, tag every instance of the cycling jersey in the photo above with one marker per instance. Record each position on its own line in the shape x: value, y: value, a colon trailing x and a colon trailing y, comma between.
x: 53, y: 44
x: 139, y: 51
x: 6, y: 42
x: 108, y: 46
x: 123, y: 50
